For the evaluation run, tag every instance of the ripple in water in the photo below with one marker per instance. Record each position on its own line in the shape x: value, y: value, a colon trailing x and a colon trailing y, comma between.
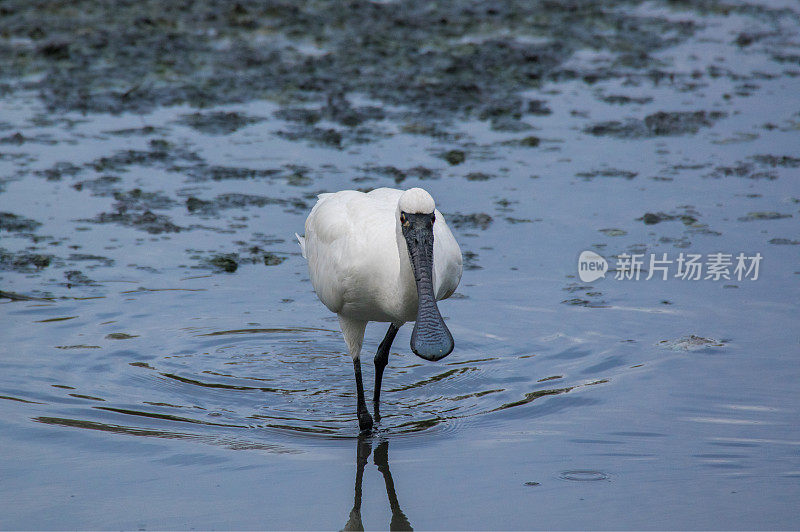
x: 293, y: 381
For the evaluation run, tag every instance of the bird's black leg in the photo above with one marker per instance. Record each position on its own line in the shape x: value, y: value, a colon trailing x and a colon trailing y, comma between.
x: 381, y: 359
x: 364, y: 419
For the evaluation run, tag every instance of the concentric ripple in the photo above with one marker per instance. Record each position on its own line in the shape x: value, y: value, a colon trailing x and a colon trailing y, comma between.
x: 233, y: 387
x: 300, y: 381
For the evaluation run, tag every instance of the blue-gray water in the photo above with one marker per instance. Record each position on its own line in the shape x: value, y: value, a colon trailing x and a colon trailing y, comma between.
x: 143, y: 387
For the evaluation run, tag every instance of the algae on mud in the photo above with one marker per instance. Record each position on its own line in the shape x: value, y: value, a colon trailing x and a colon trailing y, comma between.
x: 442, y: 60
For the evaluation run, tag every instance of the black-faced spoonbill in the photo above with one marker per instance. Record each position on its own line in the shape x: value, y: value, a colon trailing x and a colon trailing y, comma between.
x: 386, y: 255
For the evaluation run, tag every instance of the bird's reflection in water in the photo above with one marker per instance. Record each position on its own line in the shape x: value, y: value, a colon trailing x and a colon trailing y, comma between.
x: 381, y: 458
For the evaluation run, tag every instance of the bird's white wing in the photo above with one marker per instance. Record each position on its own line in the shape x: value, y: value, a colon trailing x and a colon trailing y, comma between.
x: 301, y: 240
x: 327, y: 227
x: 447, y: 259
x: 346, y: 237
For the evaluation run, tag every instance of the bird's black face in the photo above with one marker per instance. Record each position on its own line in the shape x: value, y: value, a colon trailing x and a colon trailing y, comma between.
x: 431, y: 339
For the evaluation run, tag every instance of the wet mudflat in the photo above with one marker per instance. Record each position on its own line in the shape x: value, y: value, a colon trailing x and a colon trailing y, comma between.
x: 166, y: 364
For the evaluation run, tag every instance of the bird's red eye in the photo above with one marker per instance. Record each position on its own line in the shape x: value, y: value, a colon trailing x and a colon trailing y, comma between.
x: 402, y: 218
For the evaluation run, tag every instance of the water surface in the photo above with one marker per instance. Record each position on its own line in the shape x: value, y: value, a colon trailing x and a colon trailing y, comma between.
x: 166, y: 364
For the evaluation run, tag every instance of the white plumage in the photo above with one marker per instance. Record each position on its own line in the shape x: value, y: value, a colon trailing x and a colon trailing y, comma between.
x: 359, y: 261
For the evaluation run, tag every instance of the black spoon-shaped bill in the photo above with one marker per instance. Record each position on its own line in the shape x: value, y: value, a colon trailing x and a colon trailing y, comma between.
x: 431, y: 339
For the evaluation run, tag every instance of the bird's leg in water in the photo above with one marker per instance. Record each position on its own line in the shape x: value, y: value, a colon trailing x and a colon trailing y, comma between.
x: 364, y: 419
x: 381, y: 359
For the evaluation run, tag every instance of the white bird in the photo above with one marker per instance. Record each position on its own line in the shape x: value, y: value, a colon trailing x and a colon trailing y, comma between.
x: 386, y: 255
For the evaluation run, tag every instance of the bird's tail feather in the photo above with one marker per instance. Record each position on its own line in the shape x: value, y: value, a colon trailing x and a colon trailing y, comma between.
x: 302, y: 242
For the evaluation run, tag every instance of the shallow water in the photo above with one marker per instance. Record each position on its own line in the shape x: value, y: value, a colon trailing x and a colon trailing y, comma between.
x: 145, y: 385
